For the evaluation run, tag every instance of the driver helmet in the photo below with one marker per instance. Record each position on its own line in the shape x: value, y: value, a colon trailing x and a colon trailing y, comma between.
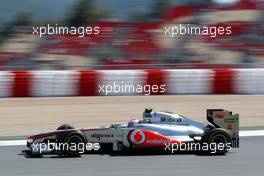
x: 133, y: 122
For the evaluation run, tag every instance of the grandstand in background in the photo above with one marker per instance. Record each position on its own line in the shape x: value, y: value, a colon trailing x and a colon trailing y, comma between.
x: 140, y: 45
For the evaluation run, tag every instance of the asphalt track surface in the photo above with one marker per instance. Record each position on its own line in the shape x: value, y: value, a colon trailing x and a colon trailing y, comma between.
x: 245, y: 161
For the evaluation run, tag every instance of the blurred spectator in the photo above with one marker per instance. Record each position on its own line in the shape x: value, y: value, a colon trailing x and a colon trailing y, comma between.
x: 138, y: 41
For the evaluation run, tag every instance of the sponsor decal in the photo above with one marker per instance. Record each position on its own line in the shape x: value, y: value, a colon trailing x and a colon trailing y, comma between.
x: 99, y: 136
x: 158, y: 141
x: 137, y: 137
x: 168, y: 119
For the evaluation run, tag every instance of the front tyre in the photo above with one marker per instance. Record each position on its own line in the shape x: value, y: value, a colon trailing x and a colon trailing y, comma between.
x: 74, y: 143
x: 218, y: 141
x: 30, y: 154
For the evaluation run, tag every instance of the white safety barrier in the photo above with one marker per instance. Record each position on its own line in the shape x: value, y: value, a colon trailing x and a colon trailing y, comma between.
x: 249, y: 81
x: 125, y: 82
x: 6, y: 80
x: 54, y: 83
x: 190, y: 81
x: 114, y: 81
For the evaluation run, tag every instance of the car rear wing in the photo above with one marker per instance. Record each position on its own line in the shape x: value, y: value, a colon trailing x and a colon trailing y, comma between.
x: 225, y: 119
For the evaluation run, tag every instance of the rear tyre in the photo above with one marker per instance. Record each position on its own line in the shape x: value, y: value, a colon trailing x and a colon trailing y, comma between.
x: 218, y: 141
x: 75, y: 142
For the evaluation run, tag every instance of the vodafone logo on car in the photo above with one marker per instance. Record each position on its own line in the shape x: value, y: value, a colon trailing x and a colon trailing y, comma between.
x: 137, y: 137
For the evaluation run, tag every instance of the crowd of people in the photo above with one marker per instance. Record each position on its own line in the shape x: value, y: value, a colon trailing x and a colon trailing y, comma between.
x: 141, y: 45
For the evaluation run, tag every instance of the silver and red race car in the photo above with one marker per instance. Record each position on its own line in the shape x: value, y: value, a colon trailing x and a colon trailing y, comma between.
x: 165, y: 131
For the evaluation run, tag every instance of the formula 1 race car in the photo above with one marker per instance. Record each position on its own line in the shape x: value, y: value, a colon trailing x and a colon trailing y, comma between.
x: 157, y: 130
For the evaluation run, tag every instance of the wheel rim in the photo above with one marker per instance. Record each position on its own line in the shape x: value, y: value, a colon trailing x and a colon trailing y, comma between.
x: 74, y: 140
x: 219, y: 138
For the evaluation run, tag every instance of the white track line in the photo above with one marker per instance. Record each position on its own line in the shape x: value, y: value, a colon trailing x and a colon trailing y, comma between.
x: 13, y: 142
x: 241, y: 134
x: 251, y: 133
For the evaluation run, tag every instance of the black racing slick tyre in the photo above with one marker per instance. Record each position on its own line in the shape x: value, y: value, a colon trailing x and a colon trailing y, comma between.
x: 218, y: 142
x: 74, y: 143
x: 65, y: 127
